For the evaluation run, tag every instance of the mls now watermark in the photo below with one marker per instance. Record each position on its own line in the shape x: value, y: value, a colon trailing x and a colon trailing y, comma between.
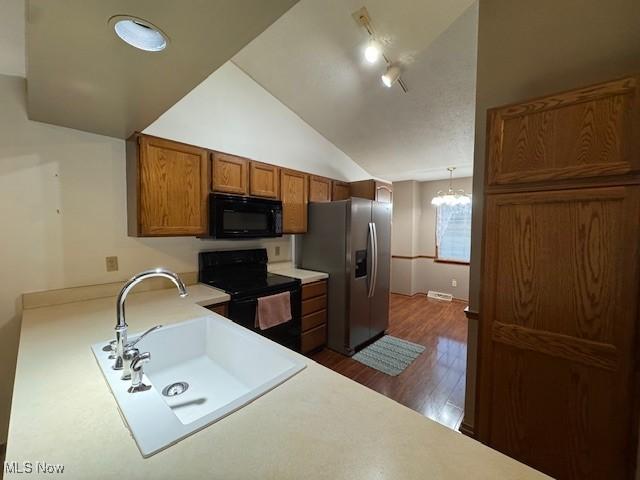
x: 33, y: 467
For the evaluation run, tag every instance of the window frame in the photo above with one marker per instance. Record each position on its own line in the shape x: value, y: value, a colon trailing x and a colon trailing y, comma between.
x: 450, y: 261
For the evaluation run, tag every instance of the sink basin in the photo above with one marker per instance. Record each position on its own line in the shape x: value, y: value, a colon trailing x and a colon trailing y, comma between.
x: 200, y: 371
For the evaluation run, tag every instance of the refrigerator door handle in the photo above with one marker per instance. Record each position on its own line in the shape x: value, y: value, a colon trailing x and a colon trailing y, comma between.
x: 374, y: 259
x: 371, y: 273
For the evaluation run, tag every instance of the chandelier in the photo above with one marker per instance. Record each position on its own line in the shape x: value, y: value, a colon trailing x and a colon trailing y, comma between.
x: 451, y: 196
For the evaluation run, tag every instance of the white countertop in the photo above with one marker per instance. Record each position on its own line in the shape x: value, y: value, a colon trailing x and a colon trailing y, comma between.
x: 288, y: 269
x: 317, y: 425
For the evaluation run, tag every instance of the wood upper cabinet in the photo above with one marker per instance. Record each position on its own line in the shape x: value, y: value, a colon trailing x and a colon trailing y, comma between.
x: 167, y: 188
x: 589, y: 132
x: 294, y: 193
x: 319, y: 189
x: 230, y: 174
x: 384, y: 192
x: 373, y: 190
x: 340, y: 190
x: 264, y: 180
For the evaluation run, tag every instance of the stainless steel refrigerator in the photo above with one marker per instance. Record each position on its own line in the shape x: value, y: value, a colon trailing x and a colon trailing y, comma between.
x: 351, y: 241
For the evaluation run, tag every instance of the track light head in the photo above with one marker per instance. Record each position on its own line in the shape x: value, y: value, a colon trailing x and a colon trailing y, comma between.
x: 391, y: 76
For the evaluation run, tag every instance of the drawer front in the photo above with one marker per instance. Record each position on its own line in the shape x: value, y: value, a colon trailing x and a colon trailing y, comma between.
x: 314, y: 305
x: 315, y: 289
x: 314, y: 320
x: 313, y: 339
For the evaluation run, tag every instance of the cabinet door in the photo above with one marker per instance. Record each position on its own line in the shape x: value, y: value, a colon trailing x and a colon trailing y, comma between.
x: 384, y: 192
x: 319, y: 189
x: 558, y: 340
x: 230, y: 174
x: 294, y: 195
x: 264, y: 180
x: 589, y: 132
x: 172, y: 188
x: 341, y: 190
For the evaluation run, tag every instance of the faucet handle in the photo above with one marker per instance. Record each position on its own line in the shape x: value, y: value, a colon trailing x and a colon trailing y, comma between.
x: 128, y: 356
x: 137, y: 373
x: 134, y: 343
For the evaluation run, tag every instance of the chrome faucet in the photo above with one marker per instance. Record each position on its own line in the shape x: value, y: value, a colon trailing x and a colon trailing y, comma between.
x: 121, y: 324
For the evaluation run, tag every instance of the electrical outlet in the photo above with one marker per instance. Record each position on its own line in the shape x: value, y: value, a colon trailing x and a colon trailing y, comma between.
x: 454, y: 283
x: 112, y: 264
x: 277, y: 250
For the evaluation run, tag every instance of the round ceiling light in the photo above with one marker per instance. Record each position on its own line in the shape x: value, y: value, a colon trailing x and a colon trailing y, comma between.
x: 139, y: 33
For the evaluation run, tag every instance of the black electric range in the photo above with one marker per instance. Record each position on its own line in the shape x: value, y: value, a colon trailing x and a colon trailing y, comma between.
x: 243, y: 275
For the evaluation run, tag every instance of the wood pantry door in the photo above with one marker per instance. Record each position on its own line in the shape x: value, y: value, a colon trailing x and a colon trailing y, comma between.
x: 558, y: 330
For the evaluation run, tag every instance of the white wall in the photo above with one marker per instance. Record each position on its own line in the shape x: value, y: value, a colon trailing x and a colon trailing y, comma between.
x: 63, y: 201
x: 413, y: 235
x: 230, y: 112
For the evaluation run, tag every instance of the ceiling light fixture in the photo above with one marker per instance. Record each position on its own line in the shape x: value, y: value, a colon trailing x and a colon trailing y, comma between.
x: 391, y: 76
x: 451, y: 196
x: 374, y: 51
x: 139, y: 33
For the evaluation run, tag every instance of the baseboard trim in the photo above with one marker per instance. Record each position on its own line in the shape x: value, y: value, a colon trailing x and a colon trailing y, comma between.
x: 467, y: 430
x: 455, y: 299
x: 471, y: 314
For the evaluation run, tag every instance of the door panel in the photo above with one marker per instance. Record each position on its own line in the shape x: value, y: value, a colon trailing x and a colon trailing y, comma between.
x: 294, y: 193
x: 264, y: 180
x: 359, y: 308
x: 380, y: 302
x: 173, y: 188
x: 319, y: 189
x: 230, y: 174
x: 559, y: 308
x: 340, y: 190
x: 589, y: 132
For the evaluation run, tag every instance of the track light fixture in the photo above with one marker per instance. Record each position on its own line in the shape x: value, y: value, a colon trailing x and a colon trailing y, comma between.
x: 373, y: 51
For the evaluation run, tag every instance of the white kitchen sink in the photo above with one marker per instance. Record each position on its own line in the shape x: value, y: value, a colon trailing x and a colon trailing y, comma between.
x: 224, y: 365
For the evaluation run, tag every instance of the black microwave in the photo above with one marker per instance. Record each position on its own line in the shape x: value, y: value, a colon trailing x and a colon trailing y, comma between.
x: 244, y: 217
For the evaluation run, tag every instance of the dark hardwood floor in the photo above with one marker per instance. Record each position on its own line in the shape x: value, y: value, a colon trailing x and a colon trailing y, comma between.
x: 434, y: 383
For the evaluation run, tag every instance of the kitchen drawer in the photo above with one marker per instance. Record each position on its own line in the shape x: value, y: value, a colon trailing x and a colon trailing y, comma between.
x: 314, y: 320
x: 314, y: 304
x: 313, y: 339
x: 315, y: 289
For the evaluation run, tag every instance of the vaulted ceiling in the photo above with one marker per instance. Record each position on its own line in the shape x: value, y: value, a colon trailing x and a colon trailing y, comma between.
x: 81, y: 75
x: 311, y: 60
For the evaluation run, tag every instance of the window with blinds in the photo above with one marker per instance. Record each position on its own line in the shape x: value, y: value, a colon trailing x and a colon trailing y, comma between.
x: 453, y: 233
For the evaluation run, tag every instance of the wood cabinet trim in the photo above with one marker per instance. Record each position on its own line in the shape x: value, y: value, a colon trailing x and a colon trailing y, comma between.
x: 595, y: 354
